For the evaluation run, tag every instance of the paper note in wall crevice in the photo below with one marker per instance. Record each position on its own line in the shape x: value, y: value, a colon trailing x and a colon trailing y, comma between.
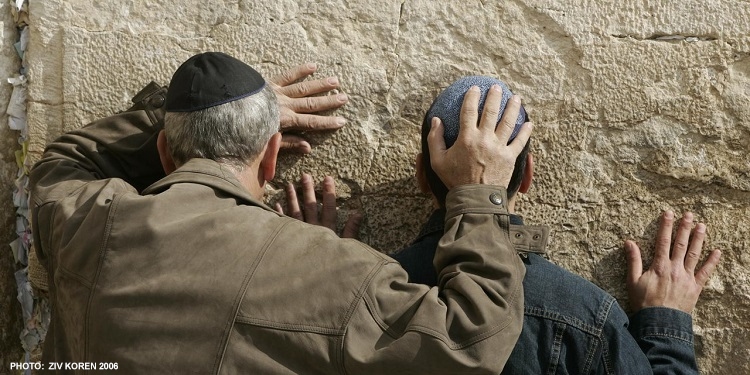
x: 17, y: 106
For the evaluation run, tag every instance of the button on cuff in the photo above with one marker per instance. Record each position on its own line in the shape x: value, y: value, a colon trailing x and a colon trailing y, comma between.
x: 496, y: 198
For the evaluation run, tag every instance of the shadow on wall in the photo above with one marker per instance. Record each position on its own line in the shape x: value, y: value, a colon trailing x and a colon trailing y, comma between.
x: 391, y: 220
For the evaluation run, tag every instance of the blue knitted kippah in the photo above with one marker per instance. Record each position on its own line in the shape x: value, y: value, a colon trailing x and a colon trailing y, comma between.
x: 447, y: 105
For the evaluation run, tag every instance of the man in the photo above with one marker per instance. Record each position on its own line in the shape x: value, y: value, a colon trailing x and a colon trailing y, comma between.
x: 570, y: 325
x: 192, y: 273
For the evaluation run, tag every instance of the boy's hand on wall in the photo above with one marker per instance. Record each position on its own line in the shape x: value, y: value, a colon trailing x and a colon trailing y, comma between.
x: 309, y: 211
x: 298, y: 105
x: 671, y: 281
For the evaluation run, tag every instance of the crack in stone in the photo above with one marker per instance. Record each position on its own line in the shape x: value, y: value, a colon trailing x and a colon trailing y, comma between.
x: 396, y: 47
x: 668, y: 38
x: 391, y: 78
x: 716, y: 188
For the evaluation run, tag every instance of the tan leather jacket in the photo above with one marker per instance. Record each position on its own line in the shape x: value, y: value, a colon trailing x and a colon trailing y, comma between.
x: 191, y: 274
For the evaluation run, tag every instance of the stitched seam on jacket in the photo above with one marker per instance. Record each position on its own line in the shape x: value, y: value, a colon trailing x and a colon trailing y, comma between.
x: 52, y: 262
x: 240, y: 296
x: 71, y: 273
x: 77, y: 277
x: 288, y: 326
x: 340, y: 354
x: 433, y: 333
x: 591, y: 353
x: 608, y: 368
x: 688, y: 342
x: 601, y: 318
x: 554, y: 361
x: 554, y: 316
x: 39, y: 202
x: 362, y: 291
x: 102, y: 252
x: 360, y: 296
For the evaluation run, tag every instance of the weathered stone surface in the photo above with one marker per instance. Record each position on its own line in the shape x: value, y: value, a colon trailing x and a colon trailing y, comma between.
x: 640, y: 106
x: 10, y: 309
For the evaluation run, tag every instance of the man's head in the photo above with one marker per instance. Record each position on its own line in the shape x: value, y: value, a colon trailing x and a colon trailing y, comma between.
x: 447, y: 107
x: 219, y: 108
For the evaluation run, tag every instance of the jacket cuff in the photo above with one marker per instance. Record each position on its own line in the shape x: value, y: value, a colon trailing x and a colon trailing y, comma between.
x: 476, y: 199
x: 662, y: 321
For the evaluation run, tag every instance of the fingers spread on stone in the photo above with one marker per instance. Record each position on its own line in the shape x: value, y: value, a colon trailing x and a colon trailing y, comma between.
x: 309, y: 201
x: 682, y: 238
x: 314, y: 104
x: 702, y: 276
x: 307, y: 88
x: 295, y: 143
x: 306, y: 122
x: 292, y: 203
x: 664, y: 238
x: 328, y: 216
x: 294, y: 74
x: 696, y: 247
x: 635, y: 264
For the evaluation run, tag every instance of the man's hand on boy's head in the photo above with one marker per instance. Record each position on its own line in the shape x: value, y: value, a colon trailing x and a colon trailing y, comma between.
x: 297, y: 105
x: 309, y: 211
x: 671, y: 281
x: 481, y: 153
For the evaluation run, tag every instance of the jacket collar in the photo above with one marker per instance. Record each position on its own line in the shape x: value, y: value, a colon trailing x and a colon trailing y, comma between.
x: 209, y: 173
x: 525, y: 238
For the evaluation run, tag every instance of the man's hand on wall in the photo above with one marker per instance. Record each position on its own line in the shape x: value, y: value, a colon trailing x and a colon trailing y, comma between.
x: 309, y: 212
x: 481, y: 153
x: 298, y: 106
x: 671, y: 281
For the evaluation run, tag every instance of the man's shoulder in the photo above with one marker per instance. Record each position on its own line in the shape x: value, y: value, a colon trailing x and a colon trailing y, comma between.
x: 320, y: 241
x: 308, y: 279
x: 554, y: 293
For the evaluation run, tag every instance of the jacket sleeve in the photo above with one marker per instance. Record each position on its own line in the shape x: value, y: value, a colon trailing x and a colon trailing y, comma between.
x: 469, y: 323
x: 88, y: 165
x: 666, y: 338
x: 656, y: 340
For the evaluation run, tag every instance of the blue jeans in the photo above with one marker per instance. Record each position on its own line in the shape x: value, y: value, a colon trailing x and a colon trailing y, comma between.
x: 571, y: 326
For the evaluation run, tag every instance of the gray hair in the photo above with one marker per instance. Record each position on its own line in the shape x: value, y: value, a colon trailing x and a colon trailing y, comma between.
x: 233, y: 133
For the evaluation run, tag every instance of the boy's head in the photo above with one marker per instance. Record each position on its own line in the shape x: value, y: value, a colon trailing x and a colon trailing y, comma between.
x: 447, y: 107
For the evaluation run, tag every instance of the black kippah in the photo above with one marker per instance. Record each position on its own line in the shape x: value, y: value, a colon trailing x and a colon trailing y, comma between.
x: 210, y: 79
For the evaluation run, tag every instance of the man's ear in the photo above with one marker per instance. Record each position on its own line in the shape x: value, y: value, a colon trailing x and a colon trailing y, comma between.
x: 165, y: 154
x: 422, y: 175
x: 270, y: 155
x: 528, y: 174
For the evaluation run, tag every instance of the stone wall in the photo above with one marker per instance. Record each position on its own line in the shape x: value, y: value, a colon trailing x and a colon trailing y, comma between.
x: 10, y: 309
x: 640, y: 106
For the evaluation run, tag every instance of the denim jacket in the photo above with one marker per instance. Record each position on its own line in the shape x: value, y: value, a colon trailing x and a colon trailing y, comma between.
x: 571, y: 326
